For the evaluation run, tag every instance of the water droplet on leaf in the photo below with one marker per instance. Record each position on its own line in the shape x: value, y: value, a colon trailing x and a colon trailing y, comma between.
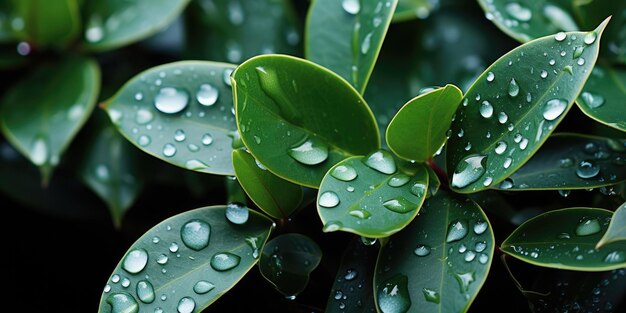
x: 195, y: 234
x: 381, y: 161
x: 135, y: 261
x: 171, y: 100
x: 456, y: 231
x: 224, y: 261
x: 328, y: 199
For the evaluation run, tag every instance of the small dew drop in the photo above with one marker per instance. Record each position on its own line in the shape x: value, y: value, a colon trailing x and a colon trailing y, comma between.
x: 328, y: 199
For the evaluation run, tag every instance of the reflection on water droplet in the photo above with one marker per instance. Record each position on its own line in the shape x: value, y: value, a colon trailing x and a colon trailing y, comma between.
x: 171, y: 100
x: 310, y: 152
x: 195, y: 234
x: 224, y: 261
x: 135, y: 261
x: 591, y: 100
x: 554, y: 108
x: 39, y: 152
x: 490, y: 76
x: 615, y: 257
x: 502, y: 117
x: 207, y: 139
x: 422, y: 250
x: 507, y: 162
x: 144, y: 140
x: 193, y: 164
x: 513, y: 88
x: 122, y: 303
x: 351, y: 274
x: 144, y: 116
x: 480, y: 227
x: 162, y: 259
x: 431, y: 295
x: 328, y: 199
x: 359, y: 213
x: 578, y: 52
x: 468, y: 170
x: 418, y: 189
x: 226, y: 76
x: 560, y: 36
x: 469, y: 256
x: 179, y: 135
x: 237, y: 213
x: 486, y: 109
x: 400, y: 205
x: 587, y: 169
x: 186, y: 305
x: 169, y: 150
x: 344, y: 173
x: 480, y: 246
x: 365, y: 45
x: 398, y: 180
x: 519, y: 12
x: 351, y: 6
x: 145, y: 291
x: 381, y: 161
x: 483, y: 258
x: 500, y: 147
x: 332, y: 226
x: 456, y: 231
x: 566, y: 162
x: 588, y: 226
x: 207, y: 94
x: 393, y: 295
x: 590, y: 37
x: 202, y: 287
x: 464, y: 280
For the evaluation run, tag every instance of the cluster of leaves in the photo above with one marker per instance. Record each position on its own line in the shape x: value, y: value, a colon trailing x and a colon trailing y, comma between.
x: 293, y: 131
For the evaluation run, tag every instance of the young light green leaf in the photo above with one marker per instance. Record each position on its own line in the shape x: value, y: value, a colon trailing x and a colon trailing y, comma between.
x: 419, y: 128
x: 299, y: 119
x: 185, y: 263
x: 525, y: 20
x: 358, y: 31
x: 604, y: 94
x: 272, y: 194
x: 369, y: 196
x: 617, y: 228
x: 352, y: 289
x: 42, y: 124
x: 413, y: 9
x: 181, y: 113
x: 439, y: 262
x: 288, y: 260
x: 112, y: 170
x: 565, y: 239
x: 47, y: 23
x: 570, y: 161
x: 514, y: 106
x: 236, y: 30
x: 110, y: 24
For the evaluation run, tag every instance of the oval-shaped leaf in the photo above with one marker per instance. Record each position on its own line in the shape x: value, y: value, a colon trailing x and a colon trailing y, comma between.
x: 48, y: 22
x: 525, y: 20
x: 419, y: 128
x: 185, y: 263
x: 236, y: 30
x: 352, y: 47
x: 570, y: 161
x: 517, y: 101
x: 110, y: 24
x: 111, y: 169
x: 287, y: 261
x: 299, y: 119
x: 42, y: 124
x: 181, y: 113
x: 617, y: 228
x: 413, y: 9
x: 604, y: 96
x: 272, y: 194
x: 439, y: 262
x: 565, y: 239
x: 352, y: 289
x: 368, y: 196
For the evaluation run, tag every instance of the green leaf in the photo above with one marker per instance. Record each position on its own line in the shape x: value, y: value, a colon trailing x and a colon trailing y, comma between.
x: 236, y: 30
x: 181, y: 113
x: 112, y: 170
x: 368, y: 196
x: 41, y: 114
x: 299, y: 119
x: 439, y: 262
x: 433, y: 182
x: 287, y: 261
x: 185, y: 263
x: 514, y: 106
x: 346, y: 36
x: 7, y: 32
x: 570, y: 161
x: 603, y: 98
x: 46, y: 22
x: 525, y: 20
x: 352, y: 288
x: 565, y: 239
x: 419, y: 129
x: 590, y: 13
x: 412, y: 9
x: 110, y: 24
x: 617, y: 228
x: 272, y: 194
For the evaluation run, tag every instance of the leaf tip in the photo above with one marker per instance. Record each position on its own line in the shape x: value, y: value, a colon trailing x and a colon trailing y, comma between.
x: 603, y: 25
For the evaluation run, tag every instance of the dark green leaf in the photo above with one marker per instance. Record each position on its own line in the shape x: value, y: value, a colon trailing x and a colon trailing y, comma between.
x: 433, y: 182
x: 515, y: 104
x: 272, y: 194
x: 346, y: 36
x: 590, y: 13
x: 352, y: 289
x: 236, y: 30
x: 181, y: 113
x: 287, y: 261
x: 185, y: 263
x: 617, y: 228
x: 110, y: 24
x: 565, y: 239
x: 7, y: 32
x: 41, y: 114
x: 419, y: 129
x: 46, y: 22
x: 112, y: 170
x: 412, y: 9
x: 569, y: 161
x: 369, y: 196
x: 299, y: 119
x: 604, y: 96
x: 439, y: 262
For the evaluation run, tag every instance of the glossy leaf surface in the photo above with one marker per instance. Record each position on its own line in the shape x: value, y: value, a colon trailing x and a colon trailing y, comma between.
x: 368, y: 196
x: 299, y: 119
x: 181, y: 113
x: 439, y: 262
x: 604, y: 96
x: 617, y: 228
x: 185, y: 263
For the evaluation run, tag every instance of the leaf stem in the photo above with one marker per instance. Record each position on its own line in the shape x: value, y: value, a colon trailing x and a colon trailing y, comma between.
x: 441, y: 174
